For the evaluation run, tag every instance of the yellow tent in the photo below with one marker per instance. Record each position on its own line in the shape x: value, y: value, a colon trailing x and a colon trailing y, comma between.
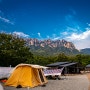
x: 26, y: 75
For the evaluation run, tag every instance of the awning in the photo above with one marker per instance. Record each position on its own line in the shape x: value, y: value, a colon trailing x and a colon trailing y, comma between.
x: 68, y: 64
x: 56, y: 64
x: 88, y: 66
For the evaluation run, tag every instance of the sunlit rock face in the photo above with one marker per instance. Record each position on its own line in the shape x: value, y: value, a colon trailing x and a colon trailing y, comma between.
x: 51, y: 43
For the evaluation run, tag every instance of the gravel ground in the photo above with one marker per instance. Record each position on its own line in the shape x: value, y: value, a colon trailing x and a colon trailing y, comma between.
x: 1, y: 87
x: 76, y: 82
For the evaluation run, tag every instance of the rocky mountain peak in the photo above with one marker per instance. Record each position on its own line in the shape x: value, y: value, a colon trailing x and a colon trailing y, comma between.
x: 50, y: 43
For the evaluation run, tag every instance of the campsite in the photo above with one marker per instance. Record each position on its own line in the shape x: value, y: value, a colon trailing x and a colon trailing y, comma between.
x: 21, y: 69
x: 44, y: 45
x: 77, y: 82
x: 68, y: 82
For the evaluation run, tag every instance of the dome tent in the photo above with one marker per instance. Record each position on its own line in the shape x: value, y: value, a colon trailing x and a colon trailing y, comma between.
x: 26, y: 75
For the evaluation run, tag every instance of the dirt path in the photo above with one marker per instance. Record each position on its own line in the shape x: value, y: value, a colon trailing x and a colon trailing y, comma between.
x: 77, y: 82
x: 88, y: 75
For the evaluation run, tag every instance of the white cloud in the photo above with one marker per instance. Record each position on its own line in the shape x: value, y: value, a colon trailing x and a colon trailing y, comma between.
x: 81, y: 36
x: 77, y: 36
x: 21, y: 34
x: 72, y: 23
x: 72, y: 29
x: 82, y: 44
x: 88, y: 24
x: 56, y: 38
x: 64, y: 33
x: 6, y: 20
x: 39, y: 34
x: 53, y: 37
x: 48, y: 36
x: 80, y: 40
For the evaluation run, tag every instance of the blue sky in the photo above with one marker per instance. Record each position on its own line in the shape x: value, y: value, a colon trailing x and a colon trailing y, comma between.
x: 47, y: 19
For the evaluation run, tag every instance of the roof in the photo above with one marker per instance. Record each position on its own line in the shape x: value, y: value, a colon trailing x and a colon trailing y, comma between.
x: 88, y: 66
x: 56, y: 64
x: 68, y: 64
x: 61, y: 64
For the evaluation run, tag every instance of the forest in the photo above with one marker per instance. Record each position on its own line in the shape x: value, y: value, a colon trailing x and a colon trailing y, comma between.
x: 14, y: 50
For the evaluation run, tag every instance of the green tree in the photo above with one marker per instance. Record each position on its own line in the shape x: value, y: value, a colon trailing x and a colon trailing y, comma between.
x: 79, y: 58
x: 62, y: 57
x: 13, y: 50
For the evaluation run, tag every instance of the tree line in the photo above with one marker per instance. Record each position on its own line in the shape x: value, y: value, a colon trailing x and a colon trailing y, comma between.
x: 14, y: 50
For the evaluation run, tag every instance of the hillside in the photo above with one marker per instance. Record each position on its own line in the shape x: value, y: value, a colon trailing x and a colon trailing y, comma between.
x: 85, y: 51
x: 51, y: 47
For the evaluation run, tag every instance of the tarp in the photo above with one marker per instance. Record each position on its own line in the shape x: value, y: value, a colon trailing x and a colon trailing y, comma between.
x: 1, y: 87
x: 88, y: 66
x: 5, y: 72
x: 48, y: 72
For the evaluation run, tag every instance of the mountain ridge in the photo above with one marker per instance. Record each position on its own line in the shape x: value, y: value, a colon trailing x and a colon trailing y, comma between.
x: 85, y: 51
x: 51, y: 47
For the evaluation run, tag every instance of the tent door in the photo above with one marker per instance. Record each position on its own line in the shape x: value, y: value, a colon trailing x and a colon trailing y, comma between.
x: 41, y: 76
